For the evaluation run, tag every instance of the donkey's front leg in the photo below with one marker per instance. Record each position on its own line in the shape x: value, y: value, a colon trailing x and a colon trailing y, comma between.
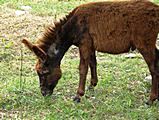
x: 93, y: 68
x: 83, y: 69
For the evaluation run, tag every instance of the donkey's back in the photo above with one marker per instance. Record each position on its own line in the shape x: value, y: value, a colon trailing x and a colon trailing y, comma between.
x: 117, y: 27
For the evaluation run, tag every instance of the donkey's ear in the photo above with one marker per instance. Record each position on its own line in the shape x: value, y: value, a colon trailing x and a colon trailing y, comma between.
x: 37, y: 51
x: 27, y: 44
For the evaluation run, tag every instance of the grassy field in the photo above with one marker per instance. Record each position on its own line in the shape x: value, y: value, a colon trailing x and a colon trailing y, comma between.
x: 120, y: 94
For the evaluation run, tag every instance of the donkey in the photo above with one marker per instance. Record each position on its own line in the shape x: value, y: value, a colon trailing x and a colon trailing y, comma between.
x: 109, y: 27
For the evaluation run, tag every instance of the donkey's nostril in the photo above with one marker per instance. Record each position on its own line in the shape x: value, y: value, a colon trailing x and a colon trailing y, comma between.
x: 43, y: 93
x: 49, y: 92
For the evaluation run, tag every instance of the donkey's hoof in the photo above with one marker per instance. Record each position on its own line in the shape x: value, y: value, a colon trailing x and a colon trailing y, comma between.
x: 149, y: 102
x: 77, y: 99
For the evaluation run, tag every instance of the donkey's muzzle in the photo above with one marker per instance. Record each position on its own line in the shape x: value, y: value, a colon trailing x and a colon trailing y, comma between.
x: 46, y: 92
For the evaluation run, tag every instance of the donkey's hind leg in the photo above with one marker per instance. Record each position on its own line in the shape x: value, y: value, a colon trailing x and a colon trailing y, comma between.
x: 157, y: 67
x: 93, y: 68
x: 151, y: 60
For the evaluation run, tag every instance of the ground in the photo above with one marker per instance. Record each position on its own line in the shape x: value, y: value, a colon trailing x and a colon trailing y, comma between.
x: 120, y: 94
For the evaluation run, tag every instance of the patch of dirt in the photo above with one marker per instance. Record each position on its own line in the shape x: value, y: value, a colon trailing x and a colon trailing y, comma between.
x: 14, y: 27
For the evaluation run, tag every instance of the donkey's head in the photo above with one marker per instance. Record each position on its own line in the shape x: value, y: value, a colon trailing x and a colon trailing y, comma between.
x: 48, y: 73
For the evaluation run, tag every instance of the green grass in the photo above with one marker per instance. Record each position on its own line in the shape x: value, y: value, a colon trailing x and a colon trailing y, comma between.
x: 121, y: 92
x: 44, y: 7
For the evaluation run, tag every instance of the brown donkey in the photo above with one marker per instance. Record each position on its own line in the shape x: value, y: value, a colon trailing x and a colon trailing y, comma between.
x: 110, y: 27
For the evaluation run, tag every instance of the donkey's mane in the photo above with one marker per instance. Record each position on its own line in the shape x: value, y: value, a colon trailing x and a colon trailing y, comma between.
x: 49, y: 35
x: 51, y: 31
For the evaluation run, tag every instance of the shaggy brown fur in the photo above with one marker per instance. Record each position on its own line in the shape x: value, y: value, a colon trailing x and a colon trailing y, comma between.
x: 111, y: 27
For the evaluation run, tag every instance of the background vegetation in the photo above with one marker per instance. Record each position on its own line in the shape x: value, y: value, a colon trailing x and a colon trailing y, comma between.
x: 120, y: 94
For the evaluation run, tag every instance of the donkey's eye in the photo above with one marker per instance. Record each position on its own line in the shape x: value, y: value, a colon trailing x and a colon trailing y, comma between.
x: 46, y: 64
x: 43, y: 73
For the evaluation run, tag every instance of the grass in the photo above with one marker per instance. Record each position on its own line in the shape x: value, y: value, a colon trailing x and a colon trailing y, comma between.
x: 120, y: 94
x: 44, y: 8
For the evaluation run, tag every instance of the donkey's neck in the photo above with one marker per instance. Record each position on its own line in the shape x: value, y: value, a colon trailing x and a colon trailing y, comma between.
x: 57, y: 50
x: 63, y: 49
x: 57, y: 40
